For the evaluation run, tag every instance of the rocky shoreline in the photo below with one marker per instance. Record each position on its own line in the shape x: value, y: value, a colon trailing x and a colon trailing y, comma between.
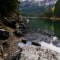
x: 35, y: 53
x: 38, y: 53
x: 28, y: 46
x: 31, y: 51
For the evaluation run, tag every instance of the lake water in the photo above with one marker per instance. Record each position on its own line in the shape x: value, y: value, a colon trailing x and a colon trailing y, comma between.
x: 45, y: 25
x: 42, y: 24
x: 50, y: 42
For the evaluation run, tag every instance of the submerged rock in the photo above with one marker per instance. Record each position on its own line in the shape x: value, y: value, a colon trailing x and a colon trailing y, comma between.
x: 56, y: 43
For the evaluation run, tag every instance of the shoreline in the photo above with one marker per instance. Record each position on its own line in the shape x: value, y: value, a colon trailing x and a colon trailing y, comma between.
x: 52, y: 18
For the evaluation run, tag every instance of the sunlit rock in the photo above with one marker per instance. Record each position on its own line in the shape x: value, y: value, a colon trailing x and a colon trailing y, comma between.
x: 55, y: 38
x: 27, y: 20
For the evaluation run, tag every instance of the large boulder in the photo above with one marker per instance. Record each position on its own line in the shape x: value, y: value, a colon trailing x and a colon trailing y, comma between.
x: 3, y: 34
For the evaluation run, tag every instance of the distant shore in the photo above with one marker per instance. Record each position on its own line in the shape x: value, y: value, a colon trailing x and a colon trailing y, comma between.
x: 51, y: 18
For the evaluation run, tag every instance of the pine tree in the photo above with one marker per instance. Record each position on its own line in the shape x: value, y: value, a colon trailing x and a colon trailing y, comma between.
x: 8, y: 6
x: 57, y: 9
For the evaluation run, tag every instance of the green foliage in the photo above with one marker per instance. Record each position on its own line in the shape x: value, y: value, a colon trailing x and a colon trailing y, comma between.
x: 49, y: 13
x: 8, y: 6
x: 57, y: 9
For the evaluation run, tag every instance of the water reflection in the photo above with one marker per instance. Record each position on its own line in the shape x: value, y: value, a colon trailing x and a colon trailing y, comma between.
x: 46, y: 25
x: 57, y: 28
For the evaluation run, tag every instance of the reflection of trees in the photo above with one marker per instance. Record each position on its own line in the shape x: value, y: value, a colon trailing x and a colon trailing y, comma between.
x: 57, y: 14
x: 57, y: 28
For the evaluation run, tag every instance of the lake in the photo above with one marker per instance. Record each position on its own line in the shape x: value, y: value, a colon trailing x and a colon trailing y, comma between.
x: 45, y: 25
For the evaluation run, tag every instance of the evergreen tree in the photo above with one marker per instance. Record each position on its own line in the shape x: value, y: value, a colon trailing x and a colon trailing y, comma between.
x: 57, y: 9
x: 8, y: 6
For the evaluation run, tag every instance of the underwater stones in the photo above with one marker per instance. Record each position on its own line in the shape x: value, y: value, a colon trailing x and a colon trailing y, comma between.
x: 56, y: 43
x: 47, y: 41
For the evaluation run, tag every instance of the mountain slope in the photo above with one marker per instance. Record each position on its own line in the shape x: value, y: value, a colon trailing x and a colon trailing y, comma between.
x: 33, y: 7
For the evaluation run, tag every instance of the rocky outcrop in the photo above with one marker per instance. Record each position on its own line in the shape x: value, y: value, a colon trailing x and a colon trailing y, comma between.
x: 33, y: 52
x: 9, y: 22
x: 38, y: 53
x: 18, y: 33
x: 18, y: 24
